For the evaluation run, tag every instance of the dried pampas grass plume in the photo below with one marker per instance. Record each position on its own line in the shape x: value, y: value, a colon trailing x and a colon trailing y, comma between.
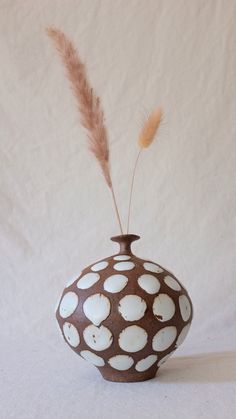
x: 146, y: 138
x: 150, y: 128
x: 91, y: 113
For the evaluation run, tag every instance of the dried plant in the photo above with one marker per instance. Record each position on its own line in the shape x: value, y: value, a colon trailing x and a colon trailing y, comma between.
x: 150, y: 128
x: 91, y: 113
x: 146, y: 137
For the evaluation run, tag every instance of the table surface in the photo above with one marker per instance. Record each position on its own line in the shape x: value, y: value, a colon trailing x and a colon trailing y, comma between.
x: 47, y: 380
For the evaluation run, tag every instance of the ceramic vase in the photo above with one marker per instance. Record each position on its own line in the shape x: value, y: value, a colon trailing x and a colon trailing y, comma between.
x: 125, y: 315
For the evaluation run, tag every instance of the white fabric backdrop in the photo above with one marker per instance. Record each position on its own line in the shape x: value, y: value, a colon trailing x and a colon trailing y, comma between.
x: 56, y: 214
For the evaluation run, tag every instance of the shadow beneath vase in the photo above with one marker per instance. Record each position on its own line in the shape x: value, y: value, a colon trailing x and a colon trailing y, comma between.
x: 215, y: 367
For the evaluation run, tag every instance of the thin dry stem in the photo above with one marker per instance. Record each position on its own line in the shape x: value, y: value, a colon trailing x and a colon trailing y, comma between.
x: 146, y: 137
x: 131, y: 189
x: 116, y: 209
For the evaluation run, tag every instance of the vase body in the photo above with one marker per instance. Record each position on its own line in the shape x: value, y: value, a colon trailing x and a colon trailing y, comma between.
x: 125, y: 315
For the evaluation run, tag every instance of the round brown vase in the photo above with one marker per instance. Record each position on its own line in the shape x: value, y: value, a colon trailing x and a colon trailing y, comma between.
x: 125, y: 315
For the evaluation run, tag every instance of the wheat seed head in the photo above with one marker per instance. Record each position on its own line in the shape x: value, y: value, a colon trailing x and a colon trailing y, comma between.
x: 150, y: 128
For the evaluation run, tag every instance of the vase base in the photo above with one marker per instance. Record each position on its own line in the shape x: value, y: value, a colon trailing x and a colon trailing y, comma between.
x: 125, y: 377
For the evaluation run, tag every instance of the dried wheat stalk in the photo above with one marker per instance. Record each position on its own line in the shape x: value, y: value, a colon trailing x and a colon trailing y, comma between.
x: 91, y: 113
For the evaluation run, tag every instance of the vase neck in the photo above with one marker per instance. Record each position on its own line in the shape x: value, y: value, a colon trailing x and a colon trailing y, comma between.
x: 125, y: 242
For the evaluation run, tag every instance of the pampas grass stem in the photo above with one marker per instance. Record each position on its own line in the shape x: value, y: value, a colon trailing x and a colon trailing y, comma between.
x: 91, y: 112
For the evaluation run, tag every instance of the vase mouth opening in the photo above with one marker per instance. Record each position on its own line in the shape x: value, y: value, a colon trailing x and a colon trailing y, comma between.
x: 125, y: 238
x: 125, y: 241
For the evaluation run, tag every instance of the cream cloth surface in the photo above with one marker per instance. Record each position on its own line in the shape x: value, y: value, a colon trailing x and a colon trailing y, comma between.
x: 56, y: 214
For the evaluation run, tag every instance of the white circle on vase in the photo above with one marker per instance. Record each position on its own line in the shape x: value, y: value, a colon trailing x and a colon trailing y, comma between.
x: 172, y: 283
x: 115, y: 283
x: 164, y: 359
x: 182, y: 335
x: 57, y: 304
x: 87, y: 280
x: 145, y: 363
x: 97, y: 308
x: 71, y: 281
x: 185, y: 307
x: 149, y: 283
x: 124, y: 266
x: 68, y: 304
x: 164, y: 338
x: 71, y: 334
x: 163, y: 307
x: 94, y: 359
x: 132, y: 307
x: 152, y: 267
x: 133, y: 338
x: 99, y: 266
x: 98, y: 338
x: 122, y: 257
x: 121, y: 362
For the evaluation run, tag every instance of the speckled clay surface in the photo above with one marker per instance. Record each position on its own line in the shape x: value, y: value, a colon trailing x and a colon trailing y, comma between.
x: 125, y: 315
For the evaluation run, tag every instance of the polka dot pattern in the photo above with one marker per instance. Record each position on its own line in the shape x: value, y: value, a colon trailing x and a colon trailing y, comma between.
x: 94, y: 359
x: 121, y: 362
x: 122, y: 257
x: 132, y: 307
x: 68, y: 304
x: 70, y: 282
x: 149, y: 283
x: 152, y: 267
x: 164, y: 338
x: 172, y: 283
x: 146, y: 363
x: 57, y: 304
x: 185, y: 307
x: 87, y: 280
x: 182, y: 335
x: 124, y: 313
x: 98, y: 338
x: 133, y: 339
x: 115, y: 283
x: 71, y: 334
x: 124, y: 266
x: 163, y: 307
x: 97, y: 308
x: 99, y: 266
